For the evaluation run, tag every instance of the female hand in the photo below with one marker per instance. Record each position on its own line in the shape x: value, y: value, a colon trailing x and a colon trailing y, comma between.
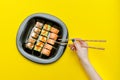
x: 79, y: 46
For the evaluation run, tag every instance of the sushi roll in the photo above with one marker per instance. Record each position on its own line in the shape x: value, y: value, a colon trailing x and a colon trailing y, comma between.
x: 45, y: 52
x: 53, y: 36
x: 42, y: 38
x: 34, y: 35
x: 39, y: 43
x: 31, y: 40
x: 39, y: 25
x: 37, y: 48
x: 47, y: 27
x: 29, y: 45
x: 48, y: 46
x: 36, y: 30
x: 54, y: 30
x: 44, y: 33
x: 50, y: 41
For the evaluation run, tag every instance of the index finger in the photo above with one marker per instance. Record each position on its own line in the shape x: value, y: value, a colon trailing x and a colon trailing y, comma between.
x: 82, y: 42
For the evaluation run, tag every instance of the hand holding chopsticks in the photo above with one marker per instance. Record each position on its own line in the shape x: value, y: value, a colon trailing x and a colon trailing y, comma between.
x: 80, y: 47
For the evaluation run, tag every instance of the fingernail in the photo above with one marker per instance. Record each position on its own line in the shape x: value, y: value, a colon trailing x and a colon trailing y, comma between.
x: 73, y: 40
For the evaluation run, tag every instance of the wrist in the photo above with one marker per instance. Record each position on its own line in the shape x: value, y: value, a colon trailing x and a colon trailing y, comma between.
x: 84, y: 60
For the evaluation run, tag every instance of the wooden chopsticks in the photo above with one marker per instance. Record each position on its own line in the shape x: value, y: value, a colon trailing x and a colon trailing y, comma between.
x: 72, y: 39
x: 93, y: 47
x: 61, y: 43
x: 84, y: 40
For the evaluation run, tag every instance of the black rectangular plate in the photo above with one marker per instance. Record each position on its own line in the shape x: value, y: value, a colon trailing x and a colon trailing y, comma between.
x: 25, y: 30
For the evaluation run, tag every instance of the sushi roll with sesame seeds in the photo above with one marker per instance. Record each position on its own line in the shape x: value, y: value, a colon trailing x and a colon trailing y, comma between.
x: 44, y: 33
x: 36, y: 30
x: 34, y: 35
x: 50, y: 41
x: 48, y: 46
x: 42, y: 38
x: 53, y: 36
x: 45, y: 52
x: 29, y: 45
x: 37, y: 48
x: 39, y: 43
x: 31, y: 40
x: 47, y: 27
x: 39, y: 25
x: 54, y: 30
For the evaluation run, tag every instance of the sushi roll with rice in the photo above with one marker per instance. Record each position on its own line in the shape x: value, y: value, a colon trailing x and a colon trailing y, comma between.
x: 44, y: 33
x: 42, y: 38
x: 37, y: 48
x: 48, y: 46
x: 31, y: 40
x: 53, y: 36
x: 36, y: 30
x: 39, y: 25
x: 29, y: 45
x: 45, y: 52
x: 34, y: 35
x: 54, y: 30
x: 39, y: 43
x: 50, y: 41
x: 47, y: 27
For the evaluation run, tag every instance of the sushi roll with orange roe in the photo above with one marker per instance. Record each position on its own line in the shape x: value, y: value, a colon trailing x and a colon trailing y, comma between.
x: 54, y: 30
x: 29, y: 45
x: 44, y: 33
x: 53, y: 36
x: 48, y: 46
x: 37, y: 48
x: 50, y: 41
x: 47, y: 27
x: 45, y: 52
x: 31, y: 40
x: 36, y: 30
x: 39, y: 43
x: 42, y: 38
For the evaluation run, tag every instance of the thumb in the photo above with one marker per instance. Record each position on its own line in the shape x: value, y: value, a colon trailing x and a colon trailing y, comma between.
x: 77, y: 45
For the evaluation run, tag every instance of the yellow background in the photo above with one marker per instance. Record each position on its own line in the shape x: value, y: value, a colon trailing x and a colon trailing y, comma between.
x: 87, y: 19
